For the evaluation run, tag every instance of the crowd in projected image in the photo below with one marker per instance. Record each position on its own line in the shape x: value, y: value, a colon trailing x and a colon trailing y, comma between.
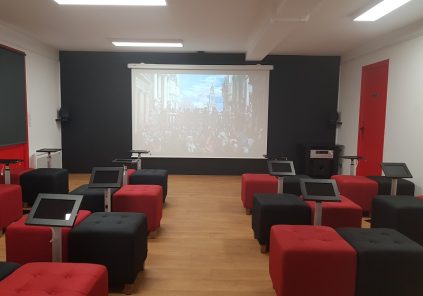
x: 202, y: 115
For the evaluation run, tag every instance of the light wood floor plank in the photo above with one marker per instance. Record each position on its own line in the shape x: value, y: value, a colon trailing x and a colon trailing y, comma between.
x: 205, y: 245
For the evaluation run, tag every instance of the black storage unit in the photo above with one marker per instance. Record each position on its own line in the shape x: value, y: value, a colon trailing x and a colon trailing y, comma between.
x: 321, y: 161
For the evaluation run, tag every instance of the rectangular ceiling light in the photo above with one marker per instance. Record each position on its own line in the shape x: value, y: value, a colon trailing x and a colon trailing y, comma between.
x: 114, y: 2
x: 147, y: 44
x: 379, y: 10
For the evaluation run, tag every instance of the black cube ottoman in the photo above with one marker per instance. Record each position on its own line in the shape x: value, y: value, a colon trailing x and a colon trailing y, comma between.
x: 291, y: 184
x: 151, y: 177
x: 43, y: 180
x: 272, y: 209
x: 7, y: 268
x: 403, y: 213
x: 116, y: 240
x: 388, y: 262
x: 93, y: 198
x: 404, y: 187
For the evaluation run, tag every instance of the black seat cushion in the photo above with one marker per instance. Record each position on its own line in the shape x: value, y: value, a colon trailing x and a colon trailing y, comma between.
x: 404, y: 187
x: 273, y: 209
x: 388, y: 262
x: 403, y: 213
x: 7, y: 268
x: 44, y: 180
x: 151, y: 177
x: 291, y: 184
x: 116, y: 240
x: 93, y: 199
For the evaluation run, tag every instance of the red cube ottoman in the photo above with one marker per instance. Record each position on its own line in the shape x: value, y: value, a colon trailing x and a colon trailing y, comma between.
x: 311, y: 260
x: 339, y: 214
x: 130, y: 172
x: 147, y: 199
x: 256, y: 183
x: 47, y: 278
x: 361, y: 190
x: 15, y: 175
x: 28, y: 243
x: 10, y: 205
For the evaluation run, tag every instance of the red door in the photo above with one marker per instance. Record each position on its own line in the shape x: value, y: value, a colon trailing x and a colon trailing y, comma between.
x: 371, y: 130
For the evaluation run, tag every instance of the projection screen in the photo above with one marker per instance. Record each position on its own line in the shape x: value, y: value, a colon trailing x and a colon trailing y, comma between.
x: 200, y: 111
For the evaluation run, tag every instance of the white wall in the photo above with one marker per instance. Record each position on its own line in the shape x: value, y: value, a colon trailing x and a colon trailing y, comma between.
x: 43, y: 88
x: 404, y: 114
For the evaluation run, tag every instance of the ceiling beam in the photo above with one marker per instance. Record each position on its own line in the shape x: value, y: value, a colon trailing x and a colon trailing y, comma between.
x: 282, y: 19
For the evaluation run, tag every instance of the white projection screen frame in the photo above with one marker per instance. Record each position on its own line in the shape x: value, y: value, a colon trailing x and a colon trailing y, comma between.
x: 200, y: 111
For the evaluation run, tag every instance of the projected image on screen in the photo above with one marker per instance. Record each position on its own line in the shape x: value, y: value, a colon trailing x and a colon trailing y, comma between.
x: 190, y: 113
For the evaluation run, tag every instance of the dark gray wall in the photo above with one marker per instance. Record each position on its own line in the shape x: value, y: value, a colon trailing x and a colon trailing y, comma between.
x: 96, y: 91
x: 12, y: 97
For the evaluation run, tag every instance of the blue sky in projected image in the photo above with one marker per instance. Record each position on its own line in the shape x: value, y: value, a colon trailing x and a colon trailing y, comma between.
x: 195, y: 89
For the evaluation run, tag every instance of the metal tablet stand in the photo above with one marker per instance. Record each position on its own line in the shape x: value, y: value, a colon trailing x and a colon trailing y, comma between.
x: 280, y: 184
x: 124, y: 163
x: 318, y: 214
x: 395, y: 175
x: 7, y: 162
x: 138, y: 157
x: 49, y: 151
x: 56, y: 244
x: 353, y: 163
x: 394, y: 186
x: 107, y: 199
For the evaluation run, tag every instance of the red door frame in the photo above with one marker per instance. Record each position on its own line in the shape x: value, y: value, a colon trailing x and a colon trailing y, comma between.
x: 371, y: 129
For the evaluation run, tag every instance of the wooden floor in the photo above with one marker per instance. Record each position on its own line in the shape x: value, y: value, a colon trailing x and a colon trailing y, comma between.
x: 205, y: 245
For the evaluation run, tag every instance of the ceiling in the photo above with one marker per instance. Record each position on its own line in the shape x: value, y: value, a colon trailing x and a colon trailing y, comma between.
x: 254, y: 27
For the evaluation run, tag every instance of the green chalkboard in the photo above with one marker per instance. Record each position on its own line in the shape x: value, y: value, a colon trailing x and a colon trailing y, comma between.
x: 13, y: 117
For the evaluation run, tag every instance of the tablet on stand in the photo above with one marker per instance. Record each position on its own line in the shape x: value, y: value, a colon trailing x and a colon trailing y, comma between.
x: 280, y: 169
x: 319, y: 190
x: 107, y: 178
x: 395, y: 171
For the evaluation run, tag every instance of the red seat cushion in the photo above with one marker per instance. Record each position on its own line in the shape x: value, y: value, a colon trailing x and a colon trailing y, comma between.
x: 130, y: 172
x: 311, y: 260
x: 27, y: 243
x: 10, y: 204
x: 256, y: 183
x: 147, y: 199
x: 65, y: 279
x: 359, y: 189
x: 339, y: 214
x: 15, y: 174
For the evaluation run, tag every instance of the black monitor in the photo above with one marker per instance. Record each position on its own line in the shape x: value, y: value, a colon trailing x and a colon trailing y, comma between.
x: 319, y: 190
x: 56, y: 210
x: 106, y: 177
x: 281, y: 168
x: 396, y: 170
